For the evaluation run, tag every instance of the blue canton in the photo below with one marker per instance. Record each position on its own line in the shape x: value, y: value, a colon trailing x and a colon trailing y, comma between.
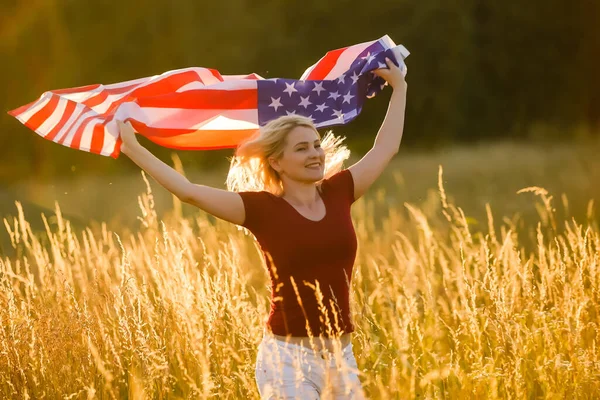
x: 326, y: 102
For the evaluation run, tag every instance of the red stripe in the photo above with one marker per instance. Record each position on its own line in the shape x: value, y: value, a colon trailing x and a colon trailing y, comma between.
x: 21, y: 109
x: 70, y: 126
x: 164, y: 85
x: 76, y: 141
x: 326, y: 65
x: 216, y: 74
x: 205, y: 99
x: 123, y: 89
x: 117, y: 149
x: 99, y: 98
x: 65, y: 117
x: 98, y: 138
x: 96, y: 99
x: 43, y: 114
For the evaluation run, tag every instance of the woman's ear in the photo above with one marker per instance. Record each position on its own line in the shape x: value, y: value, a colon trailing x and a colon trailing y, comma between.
x: 274, y: 163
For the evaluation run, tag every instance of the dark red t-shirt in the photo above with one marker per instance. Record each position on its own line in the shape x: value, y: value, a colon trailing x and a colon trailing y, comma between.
x: 309, y: 252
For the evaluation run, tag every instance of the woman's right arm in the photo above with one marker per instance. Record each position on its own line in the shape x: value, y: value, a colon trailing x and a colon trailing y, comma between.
x: 221, y: 203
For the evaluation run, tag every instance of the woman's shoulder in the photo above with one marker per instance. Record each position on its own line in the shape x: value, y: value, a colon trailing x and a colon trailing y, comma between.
x: 338, y: 178
x: 258, y: 198
x: 340, y: 182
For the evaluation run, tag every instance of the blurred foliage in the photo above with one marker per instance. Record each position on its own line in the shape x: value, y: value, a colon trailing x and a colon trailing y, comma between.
x: 477, y: 70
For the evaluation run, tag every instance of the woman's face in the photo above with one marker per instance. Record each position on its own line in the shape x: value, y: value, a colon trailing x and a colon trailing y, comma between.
x: 302, y: 149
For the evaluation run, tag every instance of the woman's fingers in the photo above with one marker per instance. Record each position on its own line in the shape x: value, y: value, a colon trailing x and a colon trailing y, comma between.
x: 393, y: 75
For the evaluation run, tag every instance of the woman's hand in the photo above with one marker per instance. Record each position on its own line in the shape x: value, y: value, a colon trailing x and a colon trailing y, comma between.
x: 127, y: 136
x: 393, y: 75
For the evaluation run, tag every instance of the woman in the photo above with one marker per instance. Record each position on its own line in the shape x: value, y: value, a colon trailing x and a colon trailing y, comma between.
x: 302, y: 222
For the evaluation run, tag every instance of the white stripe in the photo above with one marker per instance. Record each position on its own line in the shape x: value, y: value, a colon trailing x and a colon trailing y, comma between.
x: 225, y: 123
x: 76, y: 126
x: 109, y: 101
x: 25, y: 115
x: 234, y: 77
x: 82, y: 96
x: 79, y: 108
x: 207, y: 77
x: 54, y: 119
x: 180, y: 118
x: 387, y: 42
x: 86, y: 139
x: 110, y: 138
x: 225, y: 85
x: 400, y: 52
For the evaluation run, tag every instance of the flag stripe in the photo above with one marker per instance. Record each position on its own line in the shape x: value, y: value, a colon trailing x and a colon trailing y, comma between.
x: 38, y: 105
x: 326, y: 64
x: 345, y: 59
x: 43, y: 113
x: 69, y: 109
x: 204, y: 99
x: 54, y: 119
x: 97, y: 141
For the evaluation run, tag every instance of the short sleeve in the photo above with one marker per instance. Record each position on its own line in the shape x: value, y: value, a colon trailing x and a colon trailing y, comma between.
x: 254, y: 206
x: 342, y: 183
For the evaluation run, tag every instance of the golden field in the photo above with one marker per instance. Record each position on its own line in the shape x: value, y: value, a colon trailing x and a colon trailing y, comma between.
x: 462, y: 288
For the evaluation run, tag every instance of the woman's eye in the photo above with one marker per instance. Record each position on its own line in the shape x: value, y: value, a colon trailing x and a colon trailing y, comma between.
x: 318, y: 146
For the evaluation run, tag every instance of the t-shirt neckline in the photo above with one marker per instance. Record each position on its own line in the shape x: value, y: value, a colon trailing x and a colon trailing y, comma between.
x: 302, y: 216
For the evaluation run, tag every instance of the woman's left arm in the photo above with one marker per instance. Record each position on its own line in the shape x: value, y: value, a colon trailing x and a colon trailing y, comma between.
x: 387, y: 142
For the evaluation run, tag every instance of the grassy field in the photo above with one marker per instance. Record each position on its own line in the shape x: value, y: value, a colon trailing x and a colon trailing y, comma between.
x: 462, y: 288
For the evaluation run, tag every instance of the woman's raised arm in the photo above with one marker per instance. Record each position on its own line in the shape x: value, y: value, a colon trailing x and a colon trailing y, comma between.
x: 223, y: 204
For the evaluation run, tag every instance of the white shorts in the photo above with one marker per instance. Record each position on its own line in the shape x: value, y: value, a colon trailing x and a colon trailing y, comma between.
x: 291, y: 371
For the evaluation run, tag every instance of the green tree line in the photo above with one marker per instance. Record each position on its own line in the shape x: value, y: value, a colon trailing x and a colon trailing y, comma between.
x: 478, y: 70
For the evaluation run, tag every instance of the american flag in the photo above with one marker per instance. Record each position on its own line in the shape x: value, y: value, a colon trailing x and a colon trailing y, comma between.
x: 200, y: 109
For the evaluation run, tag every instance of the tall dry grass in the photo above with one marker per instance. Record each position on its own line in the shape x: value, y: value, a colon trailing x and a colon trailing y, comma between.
x: 176, y: 309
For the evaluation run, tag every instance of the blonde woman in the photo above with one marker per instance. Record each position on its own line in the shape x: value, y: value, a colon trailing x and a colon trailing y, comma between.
x: 286, y: 186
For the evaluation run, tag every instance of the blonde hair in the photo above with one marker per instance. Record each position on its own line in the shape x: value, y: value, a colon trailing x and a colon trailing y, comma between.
x: 250, y: 169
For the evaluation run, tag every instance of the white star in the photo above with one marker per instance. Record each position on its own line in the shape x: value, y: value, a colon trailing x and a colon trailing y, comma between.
x: 311, y: 117
x: 354, y: 77
x: 381, y: 65
x: 371, y: 58
x: 341, y: 78
x: 333, y: 95
x: 289, y: 88
x: 321, y: 107
x: 305, y: 103
x: 347, y: 98
x: 290, y: 113
x: 338, y: 113
x: 318, y: 88
x: 276, y: 103
x: 367, y: 56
